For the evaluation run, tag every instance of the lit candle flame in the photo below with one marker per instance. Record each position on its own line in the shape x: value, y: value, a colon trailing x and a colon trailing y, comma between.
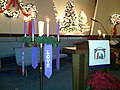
x: 48, y: 20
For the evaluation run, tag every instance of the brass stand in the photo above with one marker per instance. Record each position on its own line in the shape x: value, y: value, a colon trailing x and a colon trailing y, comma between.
x: 41, y: 67
x: 40, y: 41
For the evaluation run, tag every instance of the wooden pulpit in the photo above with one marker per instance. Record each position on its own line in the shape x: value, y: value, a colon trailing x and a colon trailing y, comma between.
x: 80, y: 64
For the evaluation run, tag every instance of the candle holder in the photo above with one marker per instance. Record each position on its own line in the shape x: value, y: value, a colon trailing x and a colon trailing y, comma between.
x: 39, y: 42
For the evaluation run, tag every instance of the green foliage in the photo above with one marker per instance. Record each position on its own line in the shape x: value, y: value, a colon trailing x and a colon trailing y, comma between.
x: 40, y: 40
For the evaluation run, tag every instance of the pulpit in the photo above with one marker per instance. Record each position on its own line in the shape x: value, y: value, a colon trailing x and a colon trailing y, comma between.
x: 80, y: 64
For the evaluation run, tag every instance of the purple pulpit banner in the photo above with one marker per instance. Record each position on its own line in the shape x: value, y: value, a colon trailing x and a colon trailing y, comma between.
x: 34, y: 57
x: 23, y: 47
x: 48, y: 60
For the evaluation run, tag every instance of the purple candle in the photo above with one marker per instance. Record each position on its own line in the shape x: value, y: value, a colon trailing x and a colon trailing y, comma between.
x: 33, y: 30
x: 25, y: 28
x: 58, y: 30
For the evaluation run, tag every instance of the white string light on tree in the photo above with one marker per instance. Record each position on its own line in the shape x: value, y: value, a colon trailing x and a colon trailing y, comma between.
x: 82, y: 23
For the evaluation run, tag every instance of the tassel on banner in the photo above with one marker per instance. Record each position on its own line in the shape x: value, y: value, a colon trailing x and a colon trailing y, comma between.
x: 115, y: 31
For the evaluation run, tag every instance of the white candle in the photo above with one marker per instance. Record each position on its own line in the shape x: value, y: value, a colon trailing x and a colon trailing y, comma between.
x: 48, y: 20
x: 41, y: 27
x: 99, y: 32
x: 20, y: 0
x: 25, y: 28
x: 103, y: 35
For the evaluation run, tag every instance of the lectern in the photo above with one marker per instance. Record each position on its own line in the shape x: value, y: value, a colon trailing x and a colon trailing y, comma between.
x: 80, y: 64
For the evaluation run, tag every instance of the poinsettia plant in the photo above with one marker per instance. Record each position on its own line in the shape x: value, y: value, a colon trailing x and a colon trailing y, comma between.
x: 103, y: 81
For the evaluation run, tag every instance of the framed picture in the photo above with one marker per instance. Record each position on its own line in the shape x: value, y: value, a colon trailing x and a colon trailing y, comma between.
x: 99, y: 53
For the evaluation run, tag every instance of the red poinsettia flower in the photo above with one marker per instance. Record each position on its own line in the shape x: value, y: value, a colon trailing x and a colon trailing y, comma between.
x: 101, y: 80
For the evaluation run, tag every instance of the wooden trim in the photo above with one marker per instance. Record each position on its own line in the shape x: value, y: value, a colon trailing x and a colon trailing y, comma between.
x: 21, y: 35
x: 11, y: 35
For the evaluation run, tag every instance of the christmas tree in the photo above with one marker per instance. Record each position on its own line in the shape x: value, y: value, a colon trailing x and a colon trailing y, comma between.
x: 56, y: 12
x: 82, y: 23
x: 69, y: 23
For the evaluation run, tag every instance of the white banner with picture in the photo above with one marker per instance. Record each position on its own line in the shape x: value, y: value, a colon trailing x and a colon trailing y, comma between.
x: 99, y: 52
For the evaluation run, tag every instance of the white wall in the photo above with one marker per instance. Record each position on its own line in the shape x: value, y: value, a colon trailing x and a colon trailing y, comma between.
x: 106, y: 8
x: 45, y: 8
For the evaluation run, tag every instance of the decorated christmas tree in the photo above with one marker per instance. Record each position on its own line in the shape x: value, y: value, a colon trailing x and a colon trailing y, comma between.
x: 82, y: 23
x: 69, y: 22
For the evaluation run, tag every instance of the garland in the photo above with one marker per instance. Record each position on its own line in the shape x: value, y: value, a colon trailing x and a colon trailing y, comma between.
x: 23, y: 9
x: 3, y: 4
x: 40, y: 40
x: 29, y: 8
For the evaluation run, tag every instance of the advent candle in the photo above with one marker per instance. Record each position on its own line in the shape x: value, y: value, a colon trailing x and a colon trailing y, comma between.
x: 25, y: 28
x: 58, y: 30
x: 20, y: 0
x: 48, y: 20
x: 99, y: 32
x: 114, y: 32
x: 41, y: 27
x: 33, y: 31
x: 30, y: 28
x: 103, y: 35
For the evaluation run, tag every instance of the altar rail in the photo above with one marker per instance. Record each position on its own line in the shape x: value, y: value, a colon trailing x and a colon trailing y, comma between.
x: 28, y: 55
x: 8, y: 45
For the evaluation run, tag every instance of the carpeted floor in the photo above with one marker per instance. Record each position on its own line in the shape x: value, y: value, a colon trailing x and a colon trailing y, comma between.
x: 60, y: 80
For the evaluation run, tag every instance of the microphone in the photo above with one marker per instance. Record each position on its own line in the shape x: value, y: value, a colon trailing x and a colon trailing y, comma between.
x: 94, y: 20
x: 100, y: 24
x: 116, y: 43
